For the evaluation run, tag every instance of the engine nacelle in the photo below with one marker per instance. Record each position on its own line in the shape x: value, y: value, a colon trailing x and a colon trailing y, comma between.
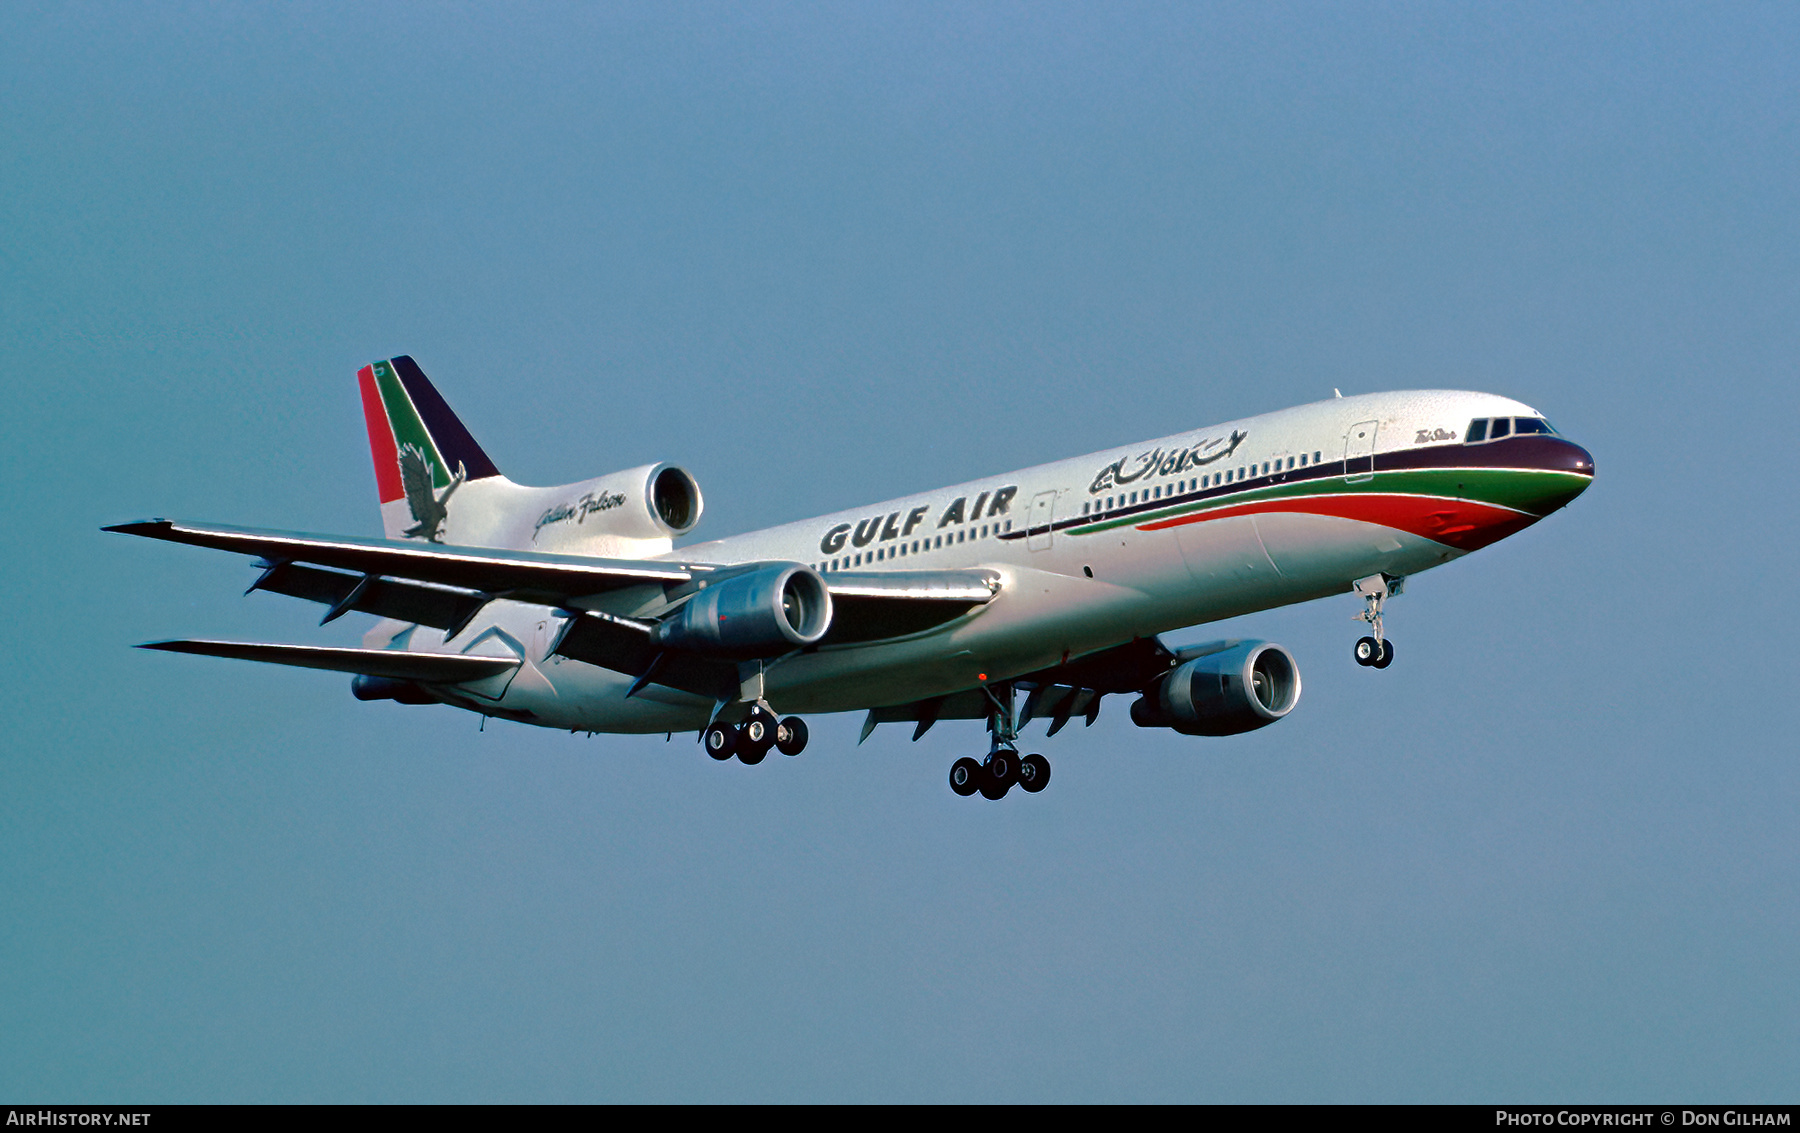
x: 760, y: 614
x: 627, y: 514
x: 1237, y: 686
x: 365, y: 687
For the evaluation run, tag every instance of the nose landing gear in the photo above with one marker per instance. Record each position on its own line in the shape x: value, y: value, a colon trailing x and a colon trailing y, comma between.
x: 1375, y: 652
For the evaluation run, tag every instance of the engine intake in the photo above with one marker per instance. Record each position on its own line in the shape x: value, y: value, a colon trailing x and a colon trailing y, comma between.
x: 759, y: 614
x: 675, y: 498
x: 1237, y: 686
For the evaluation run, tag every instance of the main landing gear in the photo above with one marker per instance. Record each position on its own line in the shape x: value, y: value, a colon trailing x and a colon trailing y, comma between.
x: 752, y: 739
x: 1004, y: 766
x: 1375, y: 652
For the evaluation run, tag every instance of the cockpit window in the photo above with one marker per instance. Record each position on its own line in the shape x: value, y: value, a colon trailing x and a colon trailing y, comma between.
x: 1494, y: 428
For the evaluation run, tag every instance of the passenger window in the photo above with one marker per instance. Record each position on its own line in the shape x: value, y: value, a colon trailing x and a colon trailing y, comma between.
x: 1502, y: 426
x: 1315, y: 457
x: 1477, y: 431
x: 1290, y: 463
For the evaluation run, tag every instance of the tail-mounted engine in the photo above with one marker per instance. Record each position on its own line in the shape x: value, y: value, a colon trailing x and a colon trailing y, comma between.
x: 760, y: 614
x: 1238, y: 686
x: 622, y: 515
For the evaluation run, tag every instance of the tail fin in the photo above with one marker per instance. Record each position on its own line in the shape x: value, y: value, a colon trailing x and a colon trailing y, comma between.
x: 419, y: 446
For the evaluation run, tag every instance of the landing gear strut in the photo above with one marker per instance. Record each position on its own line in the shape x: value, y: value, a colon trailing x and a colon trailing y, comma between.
x: 995, y: 776
x: 1375, y: 652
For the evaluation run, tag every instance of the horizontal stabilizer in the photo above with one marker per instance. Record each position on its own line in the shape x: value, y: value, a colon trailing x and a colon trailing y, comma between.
x: 430, y: 668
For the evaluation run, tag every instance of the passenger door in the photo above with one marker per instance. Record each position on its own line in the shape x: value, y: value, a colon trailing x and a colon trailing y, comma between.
x: 1359, y: 451
x: 1039, y: 527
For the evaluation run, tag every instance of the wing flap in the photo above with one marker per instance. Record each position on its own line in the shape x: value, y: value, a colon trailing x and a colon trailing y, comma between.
x: 625, y: 645
x: 428, y: 668
x: 426, y: 604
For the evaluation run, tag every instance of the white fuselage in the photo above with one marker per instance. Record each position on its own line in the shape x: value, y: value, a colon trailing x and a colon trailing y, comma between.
x: 1073, y: 580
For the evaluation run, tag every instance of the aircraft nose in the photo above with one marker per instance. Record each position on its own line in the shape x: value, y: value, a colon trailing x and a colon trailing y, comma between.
x: 1568, y: 456
x: 1580, y: 460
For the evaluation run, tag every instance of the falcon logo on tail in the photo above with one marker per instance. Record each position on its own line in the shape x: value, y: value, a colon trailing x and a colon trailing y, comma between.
x: 428, y: 508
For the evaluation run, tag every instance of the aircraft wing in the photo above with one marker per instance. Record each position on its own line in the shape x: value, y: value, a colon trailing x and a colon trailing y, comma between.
x: 523, y: 575
x: 866, y: 607
x: 400, y: 665
x: 445, y: 587
x: 880, y: 604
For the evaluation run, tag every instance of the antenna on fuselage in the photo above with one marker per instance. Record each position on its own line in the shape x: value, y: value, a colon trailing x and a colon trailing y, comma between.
x: 1336, y: 392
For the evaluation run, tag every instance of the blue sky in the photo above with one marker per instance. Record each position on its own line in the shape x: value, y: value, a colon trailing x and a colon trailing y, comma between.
x: 822, y: 255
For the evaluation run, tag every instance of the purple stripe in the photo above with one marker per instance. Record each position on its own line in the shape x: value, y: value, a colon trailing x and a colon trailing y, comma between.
x: 453, y: 441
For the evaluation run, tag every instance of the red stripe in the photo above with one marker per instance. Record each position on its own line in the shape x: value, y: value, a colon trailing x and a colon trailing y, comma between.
x: 1467, y: 525
x: 381, y: 439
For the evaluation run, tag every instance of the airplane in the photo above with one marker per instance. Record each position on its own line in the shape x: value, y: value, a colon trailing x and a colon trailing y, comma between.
x: 570, y: 607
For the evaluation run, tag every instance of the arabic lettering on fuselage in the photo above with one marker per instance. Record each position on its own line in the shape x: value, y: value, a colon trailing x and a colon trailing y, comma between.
x: 579, y: 510
x: 1164, y: 462
x: 901, y: 525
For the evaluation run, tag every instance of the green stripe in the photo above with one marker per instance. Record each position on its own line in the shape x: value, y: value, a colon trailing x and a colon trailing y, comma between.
x: 404, y: 420
x: 1531, y: 490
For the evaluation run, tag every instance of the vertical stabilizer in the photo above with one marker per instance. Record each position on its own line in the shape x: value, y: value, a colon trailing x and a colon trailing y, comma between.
x: 422, y: 452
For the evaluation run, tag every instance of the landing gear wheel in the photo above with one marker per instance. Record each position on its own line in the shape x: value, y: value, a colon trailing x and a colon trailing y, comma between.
x: 1368, y: 651
x: 1387, y: 654
x: 965, y: 776
x: 721, y: 741
x: 1034, y: 773
x: 999, y: 774
x: 756, y: 735
x: 758, y: 728
x: 1003, y: 766
x: 790, y: 736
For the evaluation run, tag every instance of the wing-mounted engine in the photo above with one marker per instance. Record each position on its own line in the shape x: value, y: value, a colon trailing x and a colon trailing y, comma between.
x: 760, y: 614
x: 1221, y: 690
